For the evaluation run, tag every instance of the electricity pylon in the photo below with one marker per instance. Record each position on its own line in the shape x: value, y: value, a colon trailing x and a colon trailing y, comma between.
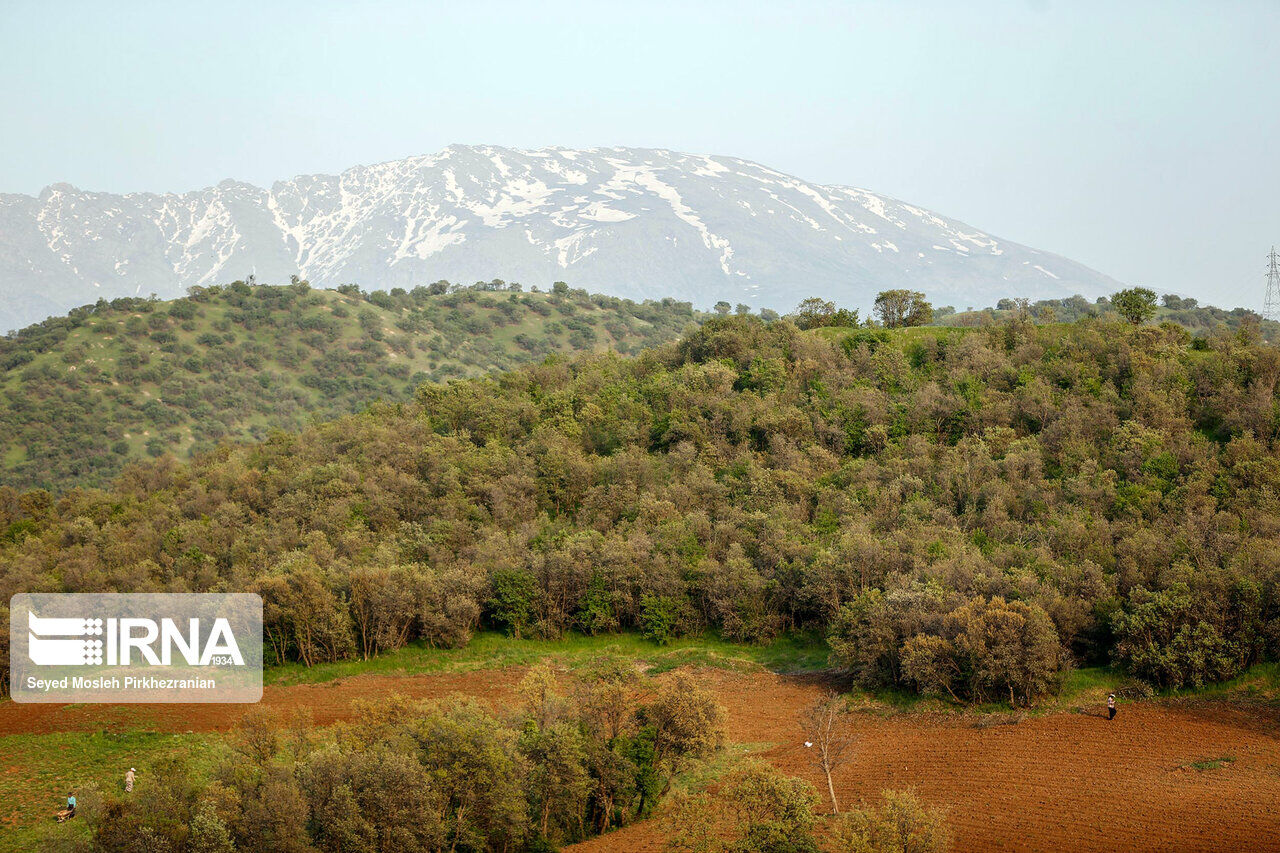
x: 1271, y: 305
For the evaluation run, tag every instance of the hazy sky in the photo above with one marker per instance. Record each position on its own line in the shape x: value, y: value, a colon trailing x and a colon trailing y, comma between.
x: 1140, y: 139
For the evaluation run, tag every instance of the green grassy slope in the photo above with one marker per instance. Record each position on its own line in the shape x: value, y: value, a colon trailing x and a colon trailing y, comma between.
x: 83, y: 395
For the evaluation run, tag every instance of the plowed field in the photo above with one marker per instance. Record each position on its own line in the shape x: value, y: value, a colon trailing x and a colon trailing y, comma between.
x: 1064, y: 781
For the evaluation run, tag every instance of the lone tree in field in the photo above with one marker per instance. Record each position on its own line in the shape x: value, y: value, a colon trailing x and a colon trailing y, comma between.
x: 897, y: 308
x: 827, y: 735
x: 1136, y: 304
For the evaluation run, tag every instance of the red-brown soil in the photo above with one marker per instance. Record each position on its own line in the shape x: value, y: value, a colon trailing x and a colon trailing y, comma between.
x: 1063, y: 781
x: 328, y: 702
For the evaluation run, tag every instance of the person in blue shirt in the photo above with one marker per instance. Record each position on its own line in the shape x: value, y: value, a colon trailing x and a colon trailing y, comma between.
x: 70, y: 811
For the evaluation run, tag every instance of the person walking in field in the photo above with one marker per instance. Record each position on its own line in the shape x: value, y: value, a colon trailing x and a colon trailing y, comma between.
x: 128, y: 781
x: 1111, y: 706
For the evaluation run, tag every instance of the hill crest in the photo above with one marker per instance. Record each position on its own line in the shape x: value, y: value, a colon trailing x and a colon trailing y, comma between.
x: 83, y: 395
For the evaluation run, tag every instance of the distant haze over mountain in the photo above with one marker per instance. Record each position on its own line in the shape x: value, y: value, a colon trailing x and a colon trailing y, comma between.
x: 640, y: 223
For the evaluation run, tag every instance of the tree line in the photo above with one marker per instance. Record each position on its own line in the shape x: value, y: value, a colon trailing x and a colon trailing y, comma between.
x: 568, y: 762
x: 1133, y: 304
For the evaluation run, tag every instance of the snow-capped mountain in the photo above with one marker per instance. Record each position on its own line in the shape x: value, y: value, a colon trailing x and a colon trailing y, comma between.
x: 640, y: 223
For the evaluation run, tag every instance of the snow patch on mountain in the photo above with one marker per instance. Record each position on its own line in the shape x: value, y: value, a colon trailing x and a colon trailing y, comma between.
x: 641, y: 223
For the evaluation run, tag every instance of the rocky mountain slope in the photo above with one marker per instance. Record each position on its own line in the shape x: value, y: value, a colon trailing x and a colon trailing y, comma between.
x: 638, y: 223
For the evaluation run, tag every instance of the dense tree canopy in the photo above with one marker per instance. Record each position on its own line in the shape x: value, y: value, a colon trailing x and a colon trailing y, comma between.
x: 1201, y: 320
x: 965, y: 512
x: 427, y: 778
x: 83, y: 395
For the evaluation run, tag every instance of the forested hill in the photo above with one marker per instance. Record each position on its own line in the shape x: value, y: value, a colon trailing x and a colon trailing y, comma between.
x: 1186, y: 312
x: 83, y: 395
x: 964, y: 512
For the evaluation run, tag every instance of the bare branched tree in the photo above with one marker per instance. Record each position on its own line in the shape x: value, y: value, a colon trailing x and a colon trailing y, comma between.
x: 828, y: 735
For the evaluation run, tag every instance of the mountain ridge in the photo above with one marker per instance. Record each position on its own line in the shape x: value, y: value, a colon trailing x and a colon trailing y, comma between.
x: 634, y: 222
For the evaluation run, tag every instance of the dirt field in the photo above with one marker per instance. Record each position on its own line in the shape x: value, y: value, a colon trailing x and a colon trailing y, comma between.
x: 1060, y: 782
x: 1065, y: 781
x: 329, y: 702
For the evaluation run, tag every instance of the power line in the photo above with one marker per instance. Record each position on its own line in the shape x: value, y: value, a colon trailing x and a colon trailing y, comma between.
x: 1271, y: 305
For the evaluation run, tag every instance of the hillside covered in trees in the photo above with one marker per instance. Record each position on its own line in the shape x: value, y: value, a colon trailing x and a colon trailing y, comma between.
x: 964, y: 512
x: 82, y: 395
x: 1186, y: 312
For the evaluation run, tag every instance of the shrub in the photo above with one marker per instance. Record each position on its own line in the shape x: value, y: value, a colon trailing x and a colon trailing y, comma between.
x: 1163, y: 637
x: 688, y: 721
x: 663, y: 618
x: 513, y: 599
x: 755, y: 810
x: 903, y: 824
